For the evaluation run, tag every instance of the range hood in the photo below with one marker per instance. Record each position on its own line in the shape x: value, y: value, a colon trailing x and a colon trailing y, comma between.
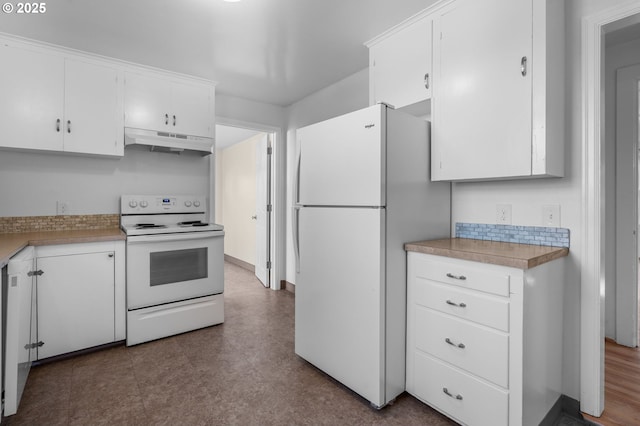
x: 168, y: 142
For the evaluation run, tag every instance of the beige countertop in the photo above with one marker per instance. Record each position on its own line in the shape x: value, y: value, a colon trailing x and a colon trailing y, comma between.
x: 522, y: 256
x: 12, y: 243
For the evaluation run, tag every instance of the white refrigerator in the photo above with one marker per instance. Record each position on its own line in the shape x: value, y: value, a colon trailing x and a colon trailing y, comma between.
x: 361, y: 190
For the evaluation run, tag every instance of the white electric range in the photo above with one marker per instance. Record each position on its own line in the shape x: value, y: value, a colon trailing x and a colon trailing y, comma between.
x: 175, y: 266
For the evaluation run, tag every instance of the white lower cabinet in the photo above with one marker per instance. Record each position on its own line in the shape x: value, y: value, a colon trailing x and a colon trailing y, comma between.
x: 80, y: 296
x: 20, y: 327
x: 484, y: 342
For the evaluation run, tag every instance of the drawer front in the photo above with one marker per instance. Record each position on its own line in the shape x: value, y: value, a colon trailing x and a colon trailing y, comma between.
x: 467, y: 399
x: 476, y: 349
x: 464, y: 275
x: 470, y: 305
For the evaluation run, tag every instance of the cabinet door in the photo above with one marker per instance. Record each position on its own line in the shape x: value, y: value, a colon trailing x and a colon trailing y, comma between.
x: 75, y: 302
x: 402, y: 65
x: 32, y: 89
x: 147, y: 102
x: 92, y: 122
x: 482, y: 101
x: 192, y: 109
x: 20, y: 335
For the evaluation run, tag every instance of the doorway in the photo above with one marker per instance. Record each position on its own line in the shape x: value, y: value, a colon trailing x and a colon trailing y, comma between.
x: 627, y: 80
x: 243, y: 193
x: 594, y: 198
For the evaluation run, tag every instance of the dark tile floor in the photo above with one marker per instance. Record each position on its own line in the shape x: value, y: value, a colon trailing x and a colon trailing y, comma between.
x: 243, y: 372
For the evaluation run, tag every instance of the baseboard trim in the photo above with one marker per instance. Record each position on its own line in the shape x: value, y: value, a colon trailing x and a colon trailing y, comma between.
x: 566, y: 407
x: 240, y: 263
x: 286, y: 285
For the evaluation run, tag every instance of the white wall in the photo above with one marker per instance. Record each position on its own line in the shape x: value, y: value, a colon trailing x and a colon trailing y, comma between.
x: 32, y: 182
x: 349, y: 94
x: 238, y: 195
x: 616, y: 57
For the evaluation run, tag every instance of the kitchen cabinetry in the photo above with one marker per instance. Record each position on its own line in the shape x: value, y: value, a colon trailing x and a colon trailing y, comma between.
x: 400, y: 64
x: 484, y: 342
x: 21, y: 334
x: 165, y: 104
x: 80, y: 296
x: 498, y: 96
x: 57, y: 102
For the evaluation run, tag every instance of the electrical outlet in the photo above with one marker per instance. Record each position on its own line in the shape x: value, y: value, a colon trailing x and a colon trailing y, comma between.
x: 503, y: 214
x: 551, y: 215
x: 62, y: 207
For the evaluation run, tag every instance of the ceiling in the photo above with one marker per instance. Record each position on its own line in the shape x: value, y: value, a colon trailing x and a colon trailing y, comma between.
x: 227, y: 136
x: 271, y: 51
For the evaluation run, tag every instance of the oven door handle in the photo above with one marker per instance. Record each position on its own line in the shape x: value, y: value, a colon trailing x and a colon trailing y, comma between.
x: 184, y: 236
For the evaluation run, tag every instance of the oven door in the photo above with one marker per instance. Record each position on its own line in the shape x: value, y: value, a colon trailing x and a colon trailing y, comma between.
x: 166, y: 268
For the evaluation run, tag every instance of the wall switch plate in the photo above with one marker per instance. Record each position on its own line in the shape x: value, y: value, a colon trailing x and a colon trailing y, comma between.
x: 551, y: 215
x: 503, y: 214
x: 62, y: 207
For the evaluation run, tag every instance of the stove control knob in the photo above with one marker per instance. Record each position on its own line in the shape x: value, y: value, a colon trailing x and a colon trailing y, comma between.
x: 133, y: 204
x: 143, y: 204
x: 196, y: 203
x: 187, y: 203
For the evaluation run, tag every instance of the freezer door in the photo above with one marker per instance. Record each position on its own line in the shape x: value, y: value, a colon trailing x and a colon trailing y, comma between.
x: 339, y: 309
x: 341, y: 161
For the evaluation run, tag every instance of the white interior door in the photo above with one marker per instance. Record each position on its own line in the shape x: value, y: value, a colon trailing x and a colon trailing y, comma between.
x: 627, y: 206
x: 262, y: 219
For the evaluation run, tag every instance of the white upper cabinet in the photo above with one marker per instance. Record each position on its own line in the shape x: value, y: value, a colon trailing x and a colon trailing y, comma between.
x: 93, y: 109
x: 498, y: 100
x: 31, y: 105
x: 400, y: 64
x: 153, y: 102
x: 57, y: 103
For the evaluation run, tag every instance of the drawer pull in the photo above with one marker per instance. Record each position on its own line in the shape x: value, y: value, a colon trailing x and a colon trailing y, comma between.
x: 456, y: 277
x: 457, y: 345
x: 458, y: 397
x: 459, y: 305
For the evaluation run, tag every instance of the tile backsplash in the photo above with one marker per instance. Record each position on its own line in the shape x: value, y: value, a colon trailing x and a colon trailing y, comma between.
x: 58, y: 223
x: 537, y: 235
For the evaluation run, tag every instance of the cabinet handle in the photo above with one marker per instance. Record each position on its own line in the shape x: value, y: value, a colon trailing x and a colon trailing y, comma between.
x: 457, y: 345
x: 426, y: 81
x: 458, y: 396
x: 40, y: 343
x: 68, y: 126
x: 166, y: 119
x: 110, y: 254
x: 35, y: 273
x: 174, y: 120
x: 523, y: 66
x: 456, y: 277
x: 459, y: 305
x: 58, y: 125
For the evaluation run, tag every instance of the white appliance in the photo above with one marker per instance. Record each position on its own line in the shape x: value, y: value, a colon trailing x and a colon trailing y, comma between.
x: 362, y: 190
x: 175, y: 266
x: 168, y: 142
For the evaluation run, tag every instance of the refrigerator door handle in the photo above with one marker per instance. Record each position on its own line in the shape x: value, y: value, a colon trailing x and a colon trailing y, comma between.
x: 296, y: 179
x: 296, y: 236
